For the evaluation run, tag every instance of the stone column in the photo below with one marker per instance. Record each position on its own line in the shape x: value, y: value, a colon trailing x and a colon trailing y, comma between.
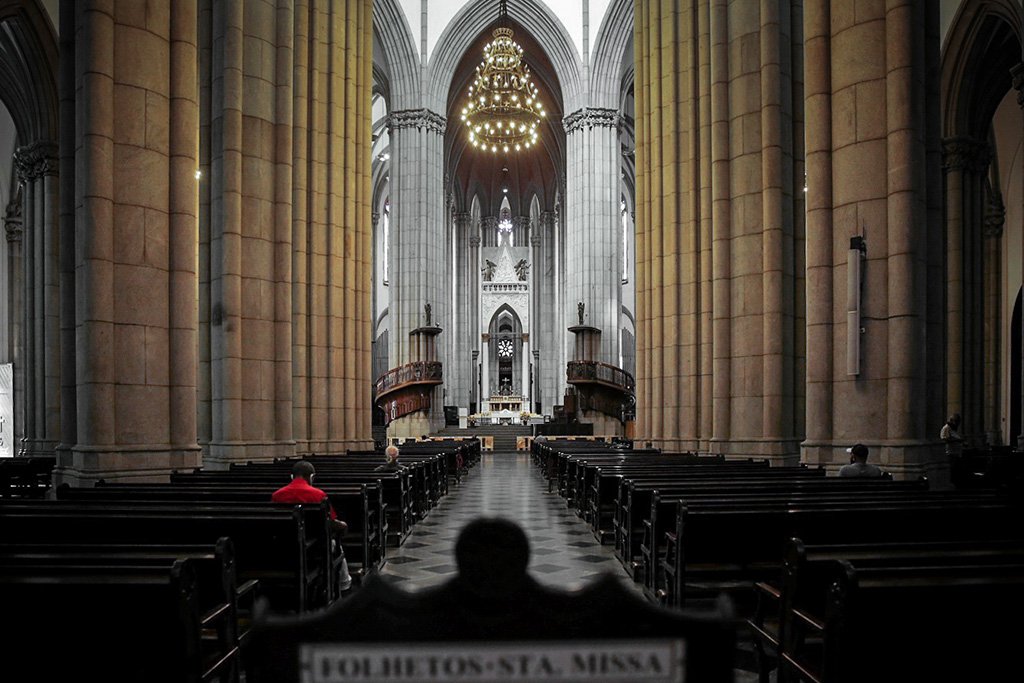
x: 288, y: 316
x: 995, y: 216
x: 418, y: 239
x: 964, y: 163
x: 472, y: 325
x: 457, y: 371
x: 135, y: 203
x: 720, y: 319
x: 546, y: 330
x: 1017, y: 72
x: 15, y: 351
x: 537, y: 294
x: 594, y: 254
x: 886, y: 404
x: 36, y: 165
x: 820, y: 239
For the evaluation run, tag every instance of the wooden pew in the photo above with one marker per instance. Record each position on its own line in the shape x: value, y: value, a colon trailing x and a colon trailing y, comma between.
x: 789, y: 608
x: 25, y: 477
x: 956, y: 619
x: 395, y: 487
x: 361, y: 506
x: 286, y: 548
x: 109, y: 623
x: 732, y: 546
x: 218, y: 595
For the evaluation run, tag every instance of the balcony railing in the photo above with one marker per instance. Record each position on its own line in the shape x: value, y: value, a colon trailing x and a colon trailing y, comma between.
x: 419, y: 372
x: 594, y: 372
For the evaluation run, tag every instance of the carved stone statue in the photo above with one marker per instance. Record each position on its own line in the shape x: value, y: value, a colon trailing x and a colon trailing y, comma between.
x: 580, y: 306
x: 488, y: 270
x: 426, y: 311
x: 522, y: 269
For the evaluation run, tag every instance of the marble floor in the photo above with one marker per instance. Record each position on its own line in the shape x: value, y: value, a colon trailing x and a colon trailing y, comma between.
x: 563, y: 551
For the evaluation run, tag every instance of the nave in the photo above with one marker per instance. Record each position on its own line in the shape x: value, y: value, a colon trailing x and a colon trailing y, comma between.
x: 563, y: 551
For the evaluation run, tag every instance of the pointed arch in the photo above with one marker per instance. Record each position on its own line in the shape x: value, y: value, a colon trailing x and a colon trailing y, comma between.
x: 535, y: 17
x: 395, y: 39
x: 613, y: 38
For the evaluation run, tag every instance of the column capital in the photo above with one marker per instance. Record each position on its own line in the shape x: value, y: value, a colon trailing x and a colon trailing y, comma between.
x: 474, y: 241
x: 375, y: 216
x: 489, y: 223
x: 520, y: 222
x: 995, y: 214
x: 417, y: 118
x: 36, y: 160
x: 590, y: 117
x: 1017, y: 79
x: 535, y: 239
x: 960, y: 153
x: 461, y: 216
x: 12, y: 221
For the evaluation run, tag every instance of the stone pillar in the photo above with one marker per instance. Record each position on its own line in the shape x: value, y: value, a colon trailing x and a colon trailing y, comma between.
x: 1017, y: 72
x: 15, y: 350
x: 472, y: 326
x: 418, y: 241
x: 485, y: 369
x: 547, y: 333
x: 817, y: 447
x: 886, y: 406
x: 538, y: 292
x: 135, y: 207
x: 593, y: 250
x: 965, y: 162
x: 286, y: 249
x: 37, y: 166
x: 457, y: 370
x: 995, y: 216
x: 719, y: 228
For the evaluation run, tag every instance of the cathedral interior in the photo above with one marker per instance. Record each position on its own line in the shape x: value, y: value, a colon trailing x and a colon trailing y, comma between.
x: 245, y: 230
x: 226, y: 228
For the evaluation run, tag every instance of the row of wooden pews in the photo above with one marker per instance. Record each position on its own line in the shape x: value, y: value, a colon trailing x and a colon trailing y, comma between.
x: 691, y: 527
x: 26, y: 477
x: 158, y: 581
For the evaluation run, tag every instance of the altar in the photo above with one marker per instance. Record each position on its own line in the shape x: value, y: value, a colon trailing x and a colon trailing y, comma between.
x: 502, y: 404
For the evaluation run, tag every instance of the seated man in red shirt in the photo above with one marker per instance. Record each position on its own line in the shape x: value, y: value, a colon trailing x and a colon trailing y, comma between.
x: 301, y: 490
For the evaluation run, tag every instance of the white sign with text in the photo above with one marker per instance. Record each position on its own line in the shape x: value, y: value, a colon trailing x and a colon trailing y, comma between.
x: 658, y: 661
x: 6, y: 410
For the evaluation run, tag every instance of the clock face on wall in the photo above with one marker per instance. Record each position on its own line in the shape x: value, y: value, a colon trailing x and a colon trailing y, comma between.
x: 504, y: 348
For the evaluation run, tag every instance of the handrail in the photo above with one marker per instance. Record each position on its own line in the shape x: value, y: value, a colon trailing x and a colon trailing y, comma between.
x: 417, y: 372
x: 596, y: 371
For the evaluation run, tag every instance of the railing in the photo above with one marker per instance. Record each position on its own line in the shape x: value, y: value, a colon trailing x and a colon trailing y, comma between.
x: 418, y: 372
x: 506, y: 287
x: 587, y: 371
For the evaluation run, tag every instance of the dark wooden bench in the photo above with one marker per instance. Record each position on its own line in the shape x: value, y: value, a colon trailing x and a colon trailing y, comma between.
x: 109, y: 623
x: 26, y: 477
x: 361, y: 506
x: 286, y: 548
x: 396, y: 487
x: 220, y: 599
x: 731, y: 547
x: 912, y: 620
x: 788, y: 620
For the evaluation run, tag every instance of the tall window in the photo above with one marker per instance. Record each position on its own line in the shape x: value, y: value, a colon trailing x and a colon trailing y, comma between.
x: 386, y: 232
x: 505, y: 225
x: 625, y: 242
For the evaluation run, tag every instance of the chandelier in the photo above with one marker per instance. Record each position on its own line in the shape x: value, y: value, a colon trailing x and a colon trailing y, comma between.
x: 502, y: 111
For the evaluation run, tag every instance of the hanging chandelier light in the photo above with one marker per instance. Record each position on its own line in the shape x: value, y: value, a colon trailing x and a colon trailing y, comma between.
x: 502, y: 111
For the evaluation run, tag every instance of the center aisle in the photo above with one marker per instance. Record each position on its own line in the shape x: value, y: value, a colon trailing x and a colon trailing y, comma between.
x: 563, y: 550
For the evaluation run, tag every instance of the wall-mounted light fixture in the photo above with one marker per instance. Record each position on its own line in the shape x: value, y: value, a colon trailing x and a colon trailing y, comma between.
x: 854, y: 275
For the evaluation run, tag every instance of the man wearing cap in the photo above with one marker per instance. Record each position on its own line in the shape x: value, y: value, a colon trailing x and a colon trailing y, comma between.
x: 859, y: 466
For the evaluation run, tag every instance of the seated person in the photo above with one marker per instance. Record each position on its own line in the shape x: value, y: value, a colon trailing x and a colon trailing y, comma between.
x: 859, y: 466
x: 390, y: 460
x: 301, y: 490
